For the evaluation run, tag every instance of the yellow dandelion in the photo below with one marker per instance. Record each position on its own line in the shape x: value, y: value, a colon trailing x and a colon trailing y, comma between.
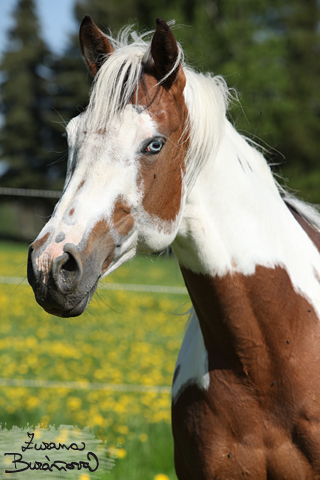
x: 31, y: 342
x: 121, y: 453
x: 112, y: 451
x: 84, y: 476
x: 161, y: 476
x: 123, y: 429
x: 97, y: 419
x: 74, y: 403
x: 143, y: 437
x: 32, y: 402
x: 42, y: 332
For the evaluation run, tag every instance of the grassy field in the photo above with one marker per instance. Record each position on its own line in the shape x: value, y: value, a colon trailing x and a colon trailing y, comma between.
x: 123, y: 338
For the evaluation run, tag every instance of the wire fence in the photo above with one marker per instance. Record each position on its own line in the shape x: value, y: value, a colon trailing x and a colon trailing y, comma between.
x: 129, y: 287
x: 115, y: 387
x: 26, y: 192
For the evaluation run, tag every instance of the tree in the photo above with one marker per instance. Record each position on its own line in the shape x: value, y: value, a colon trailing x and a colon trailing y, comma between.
x: 25, y: 134
x: 69, y: 88
x: 301, y: 127
x: 267, y: 50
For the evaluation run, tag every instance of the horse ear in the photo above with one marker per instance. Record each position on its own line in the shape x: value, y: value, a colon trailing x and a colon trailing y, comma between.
x: 94, y: 44
x: 164, y: 51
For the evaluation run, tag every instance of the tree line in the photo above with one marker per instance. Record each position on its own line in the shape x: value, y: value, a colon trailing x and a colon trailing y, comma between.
x: 268, y: 50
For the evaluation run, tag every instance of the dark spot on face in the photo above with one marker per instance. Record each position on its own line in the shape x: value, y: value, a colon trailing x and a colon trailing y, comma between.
x: 60, y: 237
x: 155, y: 175
x: 71, y: 212
x: 38, y: 243
x: 81, y: 185
x: 288, y: 341
x: 176, y: 373
x: 138, y: 108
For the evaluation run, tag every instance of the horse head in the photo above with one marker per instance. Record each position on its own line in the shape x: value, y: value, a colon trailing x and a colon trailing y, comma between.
x: 124, y: 190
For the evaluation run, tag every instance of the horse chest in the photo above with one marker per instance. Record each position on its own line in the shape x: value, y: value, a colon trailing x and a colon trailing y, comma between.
x: 223, y: 436
x: 250, y: 409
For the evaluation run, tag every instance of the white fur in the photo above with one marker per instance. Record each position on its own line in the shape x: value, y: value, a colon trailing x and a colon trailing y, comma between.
x: 192, y: 359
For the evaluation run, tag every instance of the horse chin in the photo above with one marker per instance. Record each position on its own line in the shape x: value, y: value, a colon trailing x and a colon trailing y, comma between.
x: 63, y: 307
x: 74, y: 312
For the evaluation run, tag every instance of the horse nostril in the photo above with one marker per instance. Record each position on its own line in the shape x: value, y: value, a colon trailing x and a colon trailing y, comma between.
x: 71, y: 265
x: 67, y: 271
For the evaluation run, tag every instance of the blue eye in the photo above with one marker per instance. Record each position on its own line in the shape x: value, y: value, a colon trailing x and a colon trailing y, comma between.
x: 155, y: 146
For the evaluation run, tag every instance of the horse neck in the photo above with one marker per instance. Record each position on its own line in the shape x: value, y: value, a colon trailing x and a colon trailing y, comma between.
x: 242, y: 253
x: 233, y: 212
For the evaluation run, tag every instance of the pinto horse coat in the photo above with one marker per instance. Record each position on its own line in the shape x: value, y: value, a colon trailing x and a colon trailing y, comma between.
x: 154, y: 162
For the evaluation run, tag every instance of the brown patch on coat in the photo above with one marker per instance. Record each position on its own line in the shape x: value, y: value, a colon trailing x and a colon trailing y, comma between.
x: 122, y: 219
x: 71, y: 212
x: 162, y: 175
x: 100, y: 248
x: 263, y: 404
x: 40, y: 242
x: 310, y: 230
x: 316, y: 274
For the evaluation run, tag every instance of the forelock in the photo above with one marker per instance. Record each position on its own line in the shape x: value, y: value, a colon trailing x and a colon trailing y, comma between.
x: 119, y: 77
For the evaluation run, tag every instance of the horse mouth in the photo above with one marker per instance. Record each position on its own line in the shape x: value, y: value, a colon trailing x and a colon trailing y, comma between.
x: 75, y: 311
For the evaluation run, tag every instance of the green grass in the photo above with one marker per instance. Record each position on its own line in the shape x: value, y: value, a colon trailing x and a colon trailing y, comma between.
x: 123, y: 338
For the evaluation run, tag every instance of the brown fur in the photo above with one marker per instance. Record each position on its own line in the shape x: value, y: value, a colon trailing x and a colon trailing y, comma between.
x: 100, y: 247
x: 122, y: 219
x: 40, y: 242
x: 310, y: 230
x: 260, y: 417
x: 94, y: 44
x: 162, y: 179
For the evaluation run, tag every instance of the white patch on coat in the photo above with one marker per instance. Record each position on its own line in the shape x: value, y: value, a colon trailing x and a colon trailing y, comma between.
x: 192, y: 360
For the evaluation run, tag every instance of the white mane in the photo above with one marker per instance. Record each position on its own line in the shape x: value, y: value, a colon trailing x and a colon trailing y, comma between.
x: 206, y: 95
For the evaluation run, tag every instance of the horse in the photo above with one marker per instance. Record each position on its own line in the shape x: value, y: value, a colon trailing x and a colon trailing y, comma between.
x: 153, y: 161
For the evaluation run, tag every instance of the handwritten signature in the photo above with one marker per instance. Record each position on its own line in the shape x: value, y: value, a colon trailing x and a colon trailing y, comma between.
x: 92, y: 464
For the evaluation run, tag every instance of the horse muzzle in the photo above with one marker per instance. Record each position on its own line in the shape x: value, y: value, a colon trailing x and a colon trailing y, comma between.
x: 65, y: 286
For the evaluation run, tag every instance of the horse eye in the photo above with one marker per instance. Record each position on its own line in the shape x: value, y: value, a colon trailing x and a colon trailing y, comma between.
x: 155, y: 146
